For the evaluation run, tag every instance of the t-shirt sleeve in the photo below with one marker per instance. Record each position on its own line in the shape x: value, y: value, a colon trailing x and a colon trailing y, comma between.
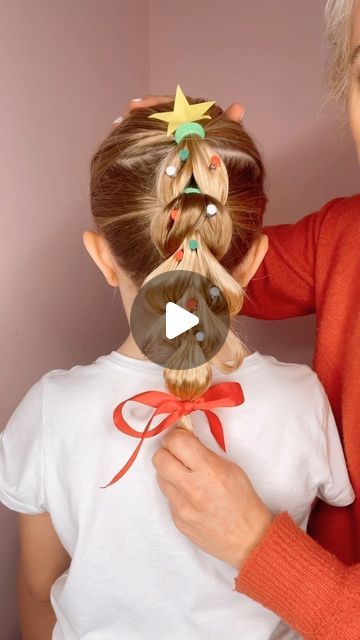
x: 22, y: 455
x: 336, y: 489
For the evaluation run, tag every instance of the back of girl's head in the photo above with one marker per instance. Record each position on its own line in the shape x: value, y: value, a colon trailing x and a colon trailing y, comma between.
x: 133, y: 199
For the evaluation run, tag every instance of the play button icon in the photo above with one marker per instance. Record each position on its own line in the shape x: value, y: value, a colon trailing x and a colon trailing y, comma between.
x: 178, y: 320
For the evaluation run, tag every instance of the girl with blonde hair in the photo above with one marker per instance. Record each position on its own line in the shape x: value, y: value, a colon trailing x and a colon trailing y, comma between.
x: 104, y: 553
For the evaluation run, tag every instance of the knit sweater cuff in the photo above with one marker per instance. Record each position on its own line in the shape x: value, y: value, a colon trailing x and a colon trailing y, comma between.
x: 289, y: 573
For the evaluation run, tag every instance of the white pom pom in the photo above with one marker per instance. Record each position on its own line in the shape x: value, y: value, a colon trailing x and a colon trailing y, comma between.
x: 214, y: 292
x: 211, y: 210
x: 171, y: 171
x: 199, y: 335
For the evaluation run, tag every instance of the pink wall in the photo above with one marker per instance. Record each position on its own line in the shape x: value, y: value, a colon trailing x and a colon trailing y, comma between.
x: 67, y: 69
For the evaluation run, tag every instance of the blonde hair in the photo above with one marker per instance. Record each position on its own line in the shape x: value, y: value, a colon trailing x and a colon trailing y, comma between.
x: 338, y: 21
x: 131, y: 200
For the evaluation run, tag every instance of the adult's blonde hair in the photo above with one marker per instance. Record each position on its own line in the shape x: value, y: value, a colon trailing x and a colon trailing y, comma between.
x: 338, y: 30
x: 132, y: 198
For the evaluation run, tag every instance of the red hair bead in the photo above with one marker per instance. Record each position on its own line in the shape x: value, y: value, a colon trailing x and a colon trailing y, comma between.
x: 179, y: 255
x: 191, y: 304
x: 174, y: 214
x: 214, y: 162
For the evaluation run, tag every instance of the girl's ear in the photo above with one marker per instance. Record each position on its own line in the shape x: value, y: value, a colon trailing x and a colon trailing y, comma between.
x: 98, y: 249
x: 252, y: 261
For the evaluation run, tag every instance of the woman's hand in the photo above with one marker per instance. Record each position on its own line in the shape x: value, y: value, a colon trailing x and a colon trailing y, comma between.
x: 211, y: 500
x: 234, y: 112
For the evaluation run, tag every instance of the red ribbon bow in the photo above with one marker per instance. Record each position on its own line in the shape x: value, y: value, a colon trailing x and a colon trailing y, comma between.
x: 225, y: 394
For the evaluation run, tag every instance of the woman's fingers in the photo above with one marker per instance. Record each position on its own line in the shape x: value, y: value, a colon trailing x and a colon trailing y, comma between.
x: 234, y: 112
x: 147, y: 101
x: 143, y: 103
x: 169, y: 467
x: 214, y: 503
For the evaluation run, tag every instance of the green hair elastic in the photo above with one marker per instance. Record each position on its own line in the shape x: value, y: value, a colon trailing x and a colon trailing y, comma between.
x: 191, y: 190
x: 187, y: 129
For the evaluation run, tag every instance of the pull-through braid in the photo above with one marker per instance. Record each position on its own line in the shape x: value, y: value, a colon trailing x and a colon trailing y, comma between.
x: 132, y: 198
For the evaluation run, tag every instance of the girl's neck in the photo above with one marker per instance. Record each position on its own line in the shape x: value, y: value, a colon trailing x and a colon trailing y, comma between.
x: 130, y: 349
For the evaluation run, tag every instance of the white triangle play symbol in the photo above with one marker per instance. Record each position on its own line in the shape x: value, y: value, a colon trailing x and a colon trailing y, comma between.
x: 178, y: 320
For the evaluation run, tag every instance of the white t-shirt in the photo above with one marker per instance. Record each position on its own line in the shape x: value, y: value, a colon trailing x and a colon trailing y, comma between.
x: 133, y: 575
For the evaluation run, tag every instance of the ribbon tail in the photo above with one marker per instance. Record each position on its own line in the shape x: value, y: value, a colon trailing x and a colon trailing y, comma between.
x: 125, y: 468
x: 216, y: 429
x: 131, y: 459
x: 167, y: 422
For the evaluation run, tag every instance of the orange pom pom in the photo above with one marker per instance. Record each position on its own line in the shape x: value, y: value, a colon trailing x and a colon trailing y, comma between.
x: 179, y: 255
x: 191, y: 304
x: 174, y: 214
x: 214, y: 162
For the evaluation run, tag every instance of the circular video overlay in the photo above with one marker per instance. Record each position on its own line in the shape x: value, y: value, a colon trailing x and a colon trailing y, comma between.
x: 179, y: 320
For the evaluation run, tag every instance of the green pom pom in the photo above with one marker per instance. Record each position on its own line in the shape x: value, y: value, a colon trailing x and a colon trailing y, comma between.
x: 193, y: 244
x: 184, y: 154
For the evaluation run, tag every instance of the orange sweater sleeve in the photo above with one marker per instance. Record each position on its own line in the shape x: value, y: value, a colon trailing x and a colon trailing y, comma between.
x: 284, y: 285
x: 289, y: 573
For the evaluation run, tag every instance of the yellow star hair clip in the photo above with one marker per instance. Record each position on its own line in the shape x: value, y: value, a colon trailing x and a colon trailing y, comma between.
x: 183, y: 113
